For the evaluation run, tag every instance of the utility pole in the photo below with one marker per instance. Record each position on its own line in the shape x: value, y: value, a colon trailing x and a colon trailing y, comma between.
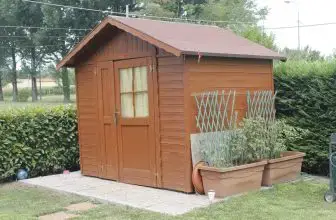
x: 298, y: 29
x: 127, y: 11
x: 298, y: 20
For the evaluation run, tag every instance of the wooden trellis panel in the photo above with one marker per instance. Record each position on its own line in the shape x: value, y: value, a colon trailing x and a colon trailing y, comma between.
x: 215, y: 111
x: 261, y: 104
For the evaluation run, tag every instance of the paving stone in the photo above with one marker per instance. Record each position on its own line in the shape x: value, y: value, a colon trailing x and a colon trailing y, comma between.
x: 84, y: 206
x: 157, y: 200
x: 58, y: 216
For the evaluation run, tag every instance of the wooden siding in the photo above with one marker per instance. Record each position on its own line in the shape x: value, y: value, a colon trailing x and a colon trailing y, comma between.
x: 119, y: 45
x: 212, y: 74
x: 88, y: 116
x: 172, y: 124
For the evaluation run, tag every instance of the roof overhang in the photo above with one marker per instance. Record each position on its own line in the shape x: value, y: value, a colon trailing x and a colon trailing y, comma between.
x: 280, y: 57
x: 66, y: 61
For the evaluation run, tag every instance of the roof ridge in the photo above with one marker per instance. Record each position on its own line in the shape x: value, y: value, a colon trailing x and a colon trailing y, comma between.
x: 163, y: 21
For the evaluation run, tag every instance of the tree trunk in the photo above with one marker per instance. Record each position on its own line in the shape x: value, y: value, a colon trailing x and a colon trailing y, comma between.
x: 1, y: 92
x: 33, y: 75
x: 65, y: 79
x: 14, y: 75
x: 34, y: 89
x: 66, y: 85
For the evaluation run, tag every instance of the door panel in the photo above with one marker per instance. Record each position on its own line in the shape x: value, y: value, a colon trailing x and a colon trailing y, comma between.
x: 136, y: 138
x: 106, y: 94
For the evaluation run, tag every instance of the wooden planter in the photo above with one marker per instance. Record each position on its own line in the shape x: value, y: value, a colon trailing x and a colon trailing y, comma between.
x: 283, y: 169
x: 232, y: 180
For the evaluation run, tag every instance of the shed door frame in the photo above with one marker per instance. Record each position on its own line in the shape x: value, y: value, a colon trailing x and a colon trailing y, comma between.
x: 129, y: 175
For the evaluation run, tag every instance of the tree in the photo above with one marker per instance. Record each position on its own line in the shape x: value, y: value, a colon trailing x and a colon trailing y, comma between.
x: 75, y: 19
x: 32, y: 52
x: 307, y: 53
x: 257, y: 35
x: 9, y: 14
x: 3, y: 69
x: 238, y: 13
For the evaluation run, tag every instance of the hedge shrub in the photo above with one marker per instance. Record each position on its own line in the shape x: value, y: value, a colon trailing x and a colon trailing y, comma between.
x: 42, y: 140
x: 23, y: 95
x: 45, y: 91
x: 308, y: 101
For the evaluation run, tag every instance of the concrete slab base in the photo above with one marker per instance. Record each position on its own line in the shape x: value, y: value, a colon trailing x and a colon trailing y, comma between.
x: 157, y: 200
x: 84, y: 206
x: 57, y: 216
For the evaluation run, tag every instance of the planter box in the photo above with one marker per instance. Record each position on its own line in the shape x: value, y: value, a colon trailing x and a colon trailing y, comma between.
x: 232, y: 180
x: 283, y: 169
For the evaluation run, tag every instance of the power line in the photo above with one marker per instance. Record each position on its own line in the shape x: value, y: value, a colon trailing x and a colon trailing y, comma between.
x: 301, y: 26
x: 158, y: 17
x: 32, y: 46
x: 137, y: 15
x: 73, y: 7
x: 46, y: 28
x: 39, y: 36
x: 176, y: 19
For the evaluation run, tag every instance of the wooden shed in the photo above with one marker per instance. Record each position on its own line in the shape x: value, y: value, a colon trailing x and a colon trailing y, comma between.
x: 134, y: 81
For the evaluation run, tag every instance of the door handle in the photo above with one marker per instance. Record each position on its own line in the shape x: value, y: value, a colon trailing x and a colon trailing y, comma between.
x: 116, y: 114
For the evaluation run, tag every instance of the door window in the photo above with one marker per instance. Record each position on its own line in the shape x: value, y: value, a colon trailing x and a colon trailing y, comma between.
x: 134, y: 92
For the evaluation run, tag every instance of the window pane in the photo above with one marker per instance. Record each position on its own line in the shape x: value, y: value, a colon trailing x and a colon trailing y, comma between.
x: 126, y: 80
x: 127, y: 109
x: 140, y: 78
x: 141, y: 104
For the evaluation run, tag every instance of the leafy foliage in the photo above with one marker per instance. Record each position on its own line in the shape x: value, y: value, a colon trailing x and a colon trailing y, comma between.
x: 308, y: 101
x: 257, y: 35
x: 23, y: 95
x: 265, y: 139
x: 307, y: 54
x: 304, y: 68
x: 44, y: 141
x: 256, y: 139
x: 45, y: 91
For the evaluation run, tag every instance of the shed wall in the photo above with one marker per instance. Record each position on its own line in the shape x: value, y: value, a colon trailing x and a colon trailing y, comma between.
x: 241, y: 75
x: 88, y: 118
x: 175, y: 160
x: 117, y: 45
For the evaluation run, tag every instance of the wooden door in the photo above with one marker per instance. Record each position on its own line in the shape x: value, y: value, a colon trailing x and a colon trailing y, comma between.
x: 135, y: 121
x: 108, y: 131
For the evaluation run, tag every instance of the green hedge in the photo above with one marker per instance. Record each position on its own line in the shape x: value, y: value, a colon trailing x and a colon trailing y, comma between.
x: 45, y: 91
x: 308, y: 101
x: 42, y: 140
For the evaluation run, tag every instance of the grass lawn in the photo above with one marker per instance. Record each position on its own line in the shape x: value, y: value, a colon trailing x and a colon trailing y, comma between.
x: 51, y: 100
x: 301, y: 200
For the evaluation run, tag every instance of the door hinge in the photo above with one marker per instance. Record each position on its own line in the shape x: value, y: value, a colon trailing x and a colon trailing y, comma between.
x: 151, y: 68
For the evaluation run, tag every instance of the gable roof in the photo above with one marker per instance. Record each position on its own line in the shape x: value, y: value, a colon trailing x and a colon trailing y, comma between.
x: 180, y: 38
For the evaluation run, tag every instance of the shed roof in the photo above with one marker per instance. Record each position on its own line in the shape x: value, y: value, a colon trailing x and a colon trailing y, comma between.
x: 180, y: 38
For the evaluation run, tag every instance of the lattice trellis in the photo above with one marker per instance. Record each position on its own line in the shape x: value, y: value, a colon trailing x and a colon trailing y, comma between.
x: 261, y: 104
x: 216, y: 111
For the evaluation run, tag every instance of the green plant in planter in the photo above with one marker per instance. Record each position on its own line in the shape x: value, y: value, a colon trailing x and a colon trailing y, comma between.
x: 267, y: 139
x: 224, y: 148
x: 254, y: 140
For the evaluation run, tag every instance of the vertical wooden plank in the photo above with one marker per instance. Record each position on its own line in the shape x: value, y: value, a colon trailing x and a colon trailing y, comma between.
x: 78, y: 121
x: 157, y: 123
x: 187, y: 117
x: 100, y: 122
x: 271, y: 75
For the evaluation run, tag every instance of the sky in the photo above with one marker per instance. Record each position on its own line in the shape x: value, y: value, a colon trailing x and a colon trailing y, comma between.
x: 322, y: 38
